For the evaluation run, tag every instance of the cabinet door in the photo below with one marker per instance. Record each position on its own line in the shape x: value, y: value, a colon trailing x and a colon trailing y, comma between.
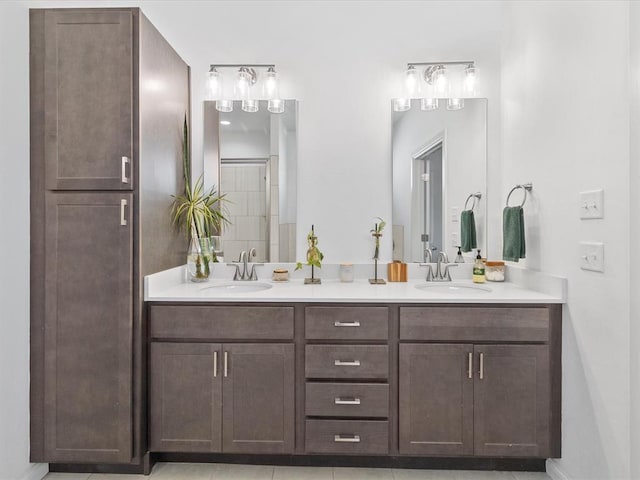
x: 88, y: 99
x: 258, y: 398
x: 436, y: 399
x: 88, y: 327
x: 185, y: 393
x: 512, y: 401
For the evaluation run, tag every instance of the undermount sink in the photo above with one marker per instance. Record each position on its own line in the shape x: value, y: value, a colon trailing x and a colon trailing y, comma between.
x: 453, y: 288
x: 237, y: 287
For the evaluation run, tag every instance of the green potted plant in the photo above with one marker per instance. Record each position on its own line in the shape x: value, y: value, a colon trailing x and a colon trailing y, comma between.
x: 200, y: 214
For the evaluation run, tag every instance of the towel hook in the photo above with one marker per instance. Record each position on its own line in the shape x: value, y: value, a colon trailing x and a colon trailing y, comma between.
x: 526, y: 187
x: 477, y: 195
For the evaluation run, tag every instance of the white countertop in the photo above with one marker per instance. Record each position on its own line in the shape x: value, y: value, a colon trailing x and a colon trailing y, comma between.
x: 171, y: 286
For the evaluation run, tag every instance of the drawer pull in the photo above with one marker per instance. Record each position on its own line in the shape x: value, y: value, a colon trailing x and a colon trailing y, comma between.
x: 346, y: 363
x: 347, y: 401
x: 346, y: 324
x: 215, y: 364
x: 470, y: 367
x: 346, y: 438
x: 482, y: 366
x: 124, y: 178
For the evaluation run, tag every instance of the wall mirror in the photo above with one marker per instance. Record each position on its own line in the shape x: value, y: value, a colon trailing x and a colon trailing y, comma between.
x: 439, y: 163
x: 252, y: 158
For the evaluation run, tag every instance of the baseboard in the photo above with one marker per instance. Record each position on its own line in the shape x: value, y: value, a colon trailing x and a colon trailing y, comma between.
x: 554, y: 471
x: 36, y: 471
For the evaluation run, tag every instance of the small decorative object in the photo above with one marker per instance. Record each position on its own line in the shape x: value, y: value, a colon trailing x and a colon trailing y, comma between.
x: 314, y: 258
x: 397, y: 271
x: 199, y: 213
x: 346, y: 272
x: 494, y: 271
x: 280, y: 275
x: 377, y: 233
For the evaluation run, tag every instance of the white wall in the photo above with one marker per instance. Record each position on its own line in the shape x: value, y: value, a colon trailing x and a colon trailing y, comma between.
x: 244, y: 145
x: 566, y: 129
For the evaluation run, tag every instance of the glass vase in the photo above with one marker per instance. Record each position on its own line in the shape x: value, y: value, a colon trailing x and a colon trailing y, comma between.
x: 199, y: 259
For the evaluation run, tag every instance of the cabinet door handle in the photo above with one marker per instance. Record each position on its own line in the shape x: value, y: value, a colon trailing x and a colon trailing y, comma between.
x: 215, y: 364
x: 346, y: 438
x: 346, y: 363
x: 470, y: 366
x: 123, y: 218
x: 481, y: 366
x: 347, y: 401
x: 226, y: 361
x: 338, y: 323
x: 125, y: 161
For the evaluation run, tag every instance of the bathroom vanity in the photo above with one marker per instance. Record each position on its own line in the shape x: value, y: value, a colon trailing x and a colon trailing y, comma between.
x: 351, y: 370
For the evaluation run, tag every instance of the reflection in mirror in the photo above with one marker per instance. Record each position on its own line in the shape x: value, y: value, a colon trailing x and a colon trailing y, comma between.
x: 255, y: 155
x: 439, y: 159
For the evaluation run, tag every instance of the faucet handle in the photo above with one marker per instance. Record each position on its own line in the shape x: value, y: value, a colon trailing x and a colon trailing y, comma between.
x: 254, y: 275
x: 429, y: 271
x: 236, y: 275
x: 446, y: 273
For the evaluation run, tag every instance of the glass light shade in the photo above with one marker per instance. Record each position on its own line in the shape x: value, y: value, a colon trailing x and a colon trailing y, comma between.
x: 224, y: 105
x: 427, y: 104
x: 401, y: 104
x: 270, y: 84
x: 441, y: 83
x: 455, y: 104
x: 275, y: 105
x: 470, y: 81
x: 411, y: 83
x: 214, y: 85
x: 250, y: 105
x: 243, y: 85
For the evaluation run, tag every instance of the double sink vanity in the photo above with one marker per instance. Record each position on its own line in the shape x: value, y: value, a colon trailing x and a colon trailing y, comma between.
x: 412, y: 372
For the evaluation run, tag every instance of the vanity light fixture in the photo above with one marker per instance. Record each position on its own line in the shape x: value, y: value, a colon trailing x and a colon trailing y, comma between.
x: 438, y: 80
x: 245, y: 87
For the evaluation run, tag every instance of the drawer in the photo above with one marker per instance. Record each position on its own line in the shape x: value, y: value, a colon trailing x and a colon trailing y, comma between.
x: 347, y: 361
x: 219, y: 322
x: 347, y: 400
x: 346, y: 323
x: 347, y: 436
x: 476, y: 324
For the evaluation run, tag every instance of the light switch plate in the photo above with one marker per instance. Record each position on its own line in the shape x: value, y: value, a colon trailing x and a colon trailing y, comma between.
x: 592, y: 204
x: 454, y: 214
x: 592, y: 256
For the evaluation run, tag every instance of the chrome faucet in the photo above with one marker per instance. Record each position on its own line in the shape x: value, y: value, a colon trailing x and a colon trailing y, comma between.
x: 443, y: 275
x: 244, y: 261
x: 428, y: 259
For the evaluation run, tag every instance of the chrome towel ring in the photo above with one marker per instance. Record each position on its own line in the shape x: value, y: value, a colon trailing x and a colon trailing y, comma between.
x: 477, y: 195
x: 526, y: 187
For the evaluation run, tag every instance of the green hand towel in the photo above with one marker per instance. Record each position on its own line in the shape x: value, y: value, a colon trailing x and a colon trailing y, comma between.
x: 468, y: 231
x: 513, y: 245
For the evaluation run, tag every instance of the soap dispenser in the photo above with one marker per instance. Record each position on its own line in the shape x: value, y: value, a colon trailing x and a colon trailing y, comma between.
x: 459, y: 257
x: 478, y: 270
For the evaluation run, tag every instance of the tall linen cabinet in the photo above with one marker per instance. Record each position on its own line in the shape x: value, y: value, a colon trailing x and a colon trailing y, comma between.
x: 108, y: 99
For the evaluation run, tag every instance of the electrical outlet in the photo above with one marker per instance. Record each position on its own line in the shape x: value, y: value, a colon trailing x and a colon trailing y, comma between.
x: 592, y: 204
x: 455, y: 217
x: 592, y: 256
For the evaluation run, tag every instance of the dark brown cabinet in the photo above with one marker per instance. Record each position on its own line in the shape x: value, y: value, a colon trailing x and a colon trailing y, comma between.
x: 88, y: 300
x: 88, y: 95
x: 435, y: 399
x: 232, y: 398
x: 99, y: 223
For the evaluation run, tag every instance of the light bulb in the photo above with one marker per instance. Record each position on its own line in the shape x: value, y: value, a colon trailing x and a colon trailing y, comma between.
x: 243, y: 84
x: 270, y: 85
x: 214, y: 84
x: 455, y: 104
x: 401, y: 104
x: 427, y: 104
x: 250, y: 105
x: 275, y: 105
x: 224, y: 105
x: 411, y: 82
x: 440, y: 82
x: 470, y: 81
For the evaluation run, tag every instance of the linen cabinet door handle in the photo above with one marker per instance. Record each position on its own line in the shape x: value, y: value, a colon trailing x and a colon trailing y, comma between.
x: 215, y: 364
x: 125, y: 161
x: 346, y: 438
x: 346, y: 401
x: 338, y: 323
x: 481, y: 366
x: 346, y: 363
x: 123, y: 217
x: 226, y: 361
x: 470, y: 366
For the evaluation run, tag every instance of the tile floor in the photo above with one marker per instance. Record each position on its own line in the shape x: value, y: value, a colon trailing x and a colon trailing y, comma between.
x: 213, y: 471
